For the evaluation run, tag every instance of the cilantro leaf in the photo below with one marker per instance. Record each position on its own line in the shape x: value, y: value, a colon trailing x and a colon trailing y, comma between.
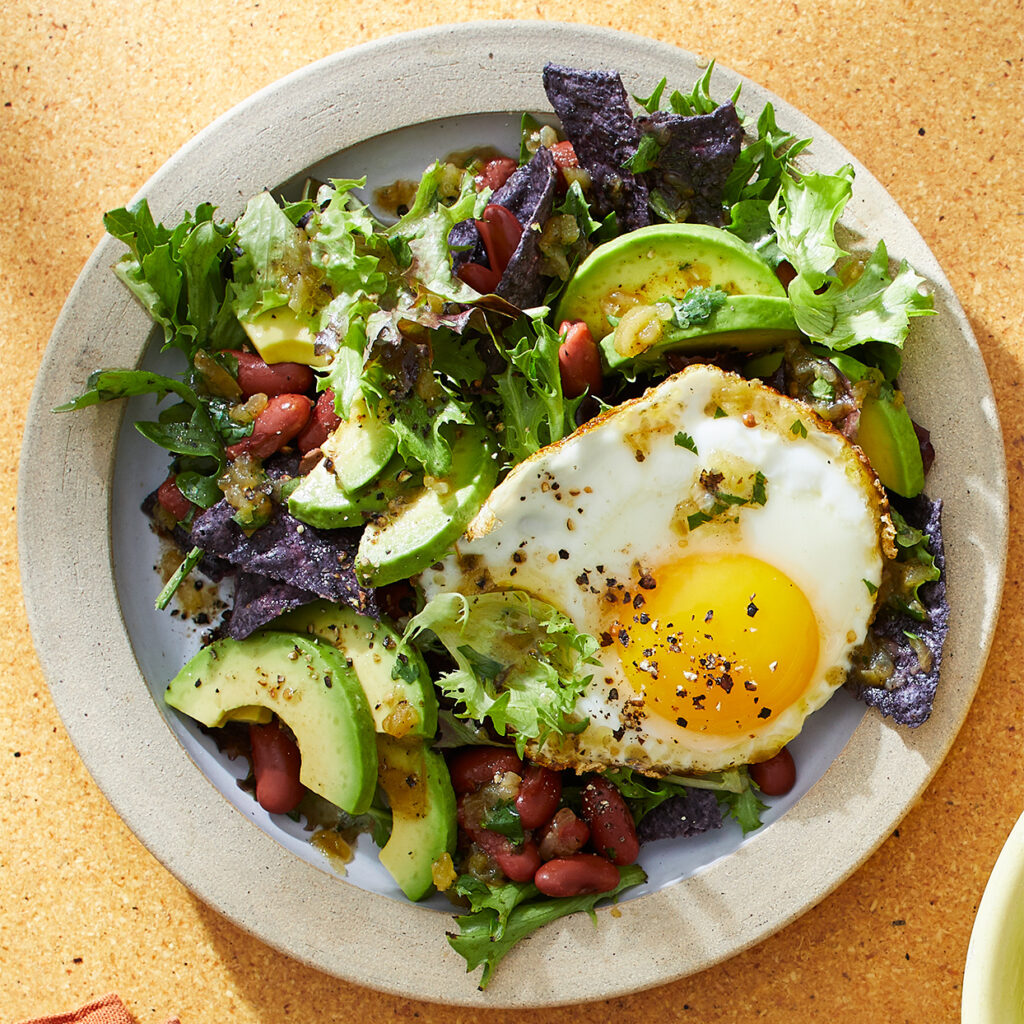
x: 685, y: 441
x: 696, y: 307
x: 504, y: 819
x: 487, y: 934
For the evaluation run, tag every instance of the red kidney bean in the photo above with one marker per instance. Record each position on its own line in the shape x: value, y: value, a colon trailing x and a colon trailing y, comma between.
x: 518, y: 863
x: 500, y: 231
x: 480, y: 278
x: 563, y: 835
x: 612, y: 832
x: 495, y: 173
x: 777, y: 775
x: 578, y: 875
x: 579, y: 360
x: 258, y: 377
x: 282, y: 419
x: 785, y: 272
x: 321, y: 424
x: 275, y: 764
x: 539, y: 795
x: 473, y: 767
x: 172, y: 500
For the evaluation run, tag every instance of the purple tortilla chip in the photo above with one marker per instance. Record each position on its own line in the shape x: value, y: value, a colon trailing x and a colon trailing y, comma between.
x: 259, y: 600
x: 594, y: 110
x: 681, y: 816
x: 908, y: 697
x: 522, y: 283
x: 529, y: 194
x: 319, y: 561
x: 697, y: 154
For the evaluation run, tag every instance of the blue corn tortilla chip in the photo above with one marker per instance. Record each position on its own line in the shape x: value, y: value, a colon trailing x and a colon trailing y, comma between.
x: 681, y: 816
x: 910, y: 692
x: 594, y: 109
x: 694, y: 160
x: 259, y: 600
x: 318, y: 561
x: 529, y: 194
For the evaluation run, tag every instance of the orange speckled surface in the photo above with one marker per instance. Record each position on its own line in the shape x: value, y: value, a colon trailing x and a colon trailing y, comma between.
x: 94, y: 96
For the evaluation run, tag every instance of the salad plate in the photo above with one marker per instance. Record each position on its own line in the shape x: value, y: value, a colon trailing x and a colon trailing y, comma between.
x: 386, y: 110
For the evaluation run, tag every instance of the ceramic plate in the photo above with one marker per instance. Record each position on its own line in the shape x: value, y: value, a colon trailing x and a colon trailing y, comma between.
x: 387, y: 109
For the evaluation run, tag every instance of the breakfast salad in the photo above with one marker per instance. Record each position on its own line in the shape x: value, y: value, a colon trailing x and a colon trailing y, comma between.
x: 546, y: 504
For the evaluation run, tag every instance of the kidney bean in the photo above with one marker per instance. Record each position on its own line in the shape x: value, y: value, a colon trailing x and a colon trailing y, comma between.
x: 539, y: 795
x: 275, y: 764
x: 785, y: 272
x: 500, y: 231
x: 172, y: 500
x: 563, y: 835
x: 518, y: 863
x: 612, y: 832
x: 282, y: 419
x: 479, y: 278
x: 473, y: 767
x: 579, y: 360
x: 777, y: 775
x: 322, y: 423
x: 258, y: 377
x: 495, y: 173
x: 578, y: 875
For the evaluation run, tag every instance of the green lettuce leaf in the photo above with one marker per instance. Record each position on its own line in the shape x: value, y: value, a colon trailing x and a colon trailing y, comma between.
x: 487, y: 934
x: 758, y: 170
x: 273, y: 252
x: 804, y: 215
x: 177, y: 274
x: 874, y: 307
x: 521, y: 663
x: 342, y: 241
x: 424, y: 231
x: 533, y: 408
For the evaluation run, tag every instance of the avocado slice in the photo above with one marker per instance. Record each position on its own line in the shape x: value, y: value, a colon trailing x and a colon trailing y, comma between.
x: 360, y: 447
x: 282, y: 336
x: 320, y: 500
x: 310, y: 687
x: 402, y: 703
x: 419, y: 790
x: 887, y: 436
x: 660, y: 260
x: 748, y: 323
x: 412, y: 534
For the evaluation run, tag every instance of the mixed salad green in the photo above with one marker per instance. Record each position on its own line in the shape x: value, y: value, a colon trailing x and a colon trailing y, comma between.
x: 355, y: 384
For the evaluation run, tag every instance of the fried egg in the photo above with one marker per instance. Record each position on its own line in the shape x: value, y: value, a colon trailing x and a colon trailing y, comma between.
x: 725, y: 547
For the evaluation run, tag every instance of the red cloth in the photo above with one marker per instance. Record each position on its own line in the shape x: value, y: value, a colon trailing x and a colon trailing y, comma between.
x: 107, y: 1010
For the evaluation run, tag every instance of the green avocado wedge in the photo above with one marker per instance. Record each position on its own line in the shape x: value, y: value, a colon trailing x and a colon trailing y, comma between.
x: 747, y: 323
x: 662, y: 260
x: 310, y: 687
x: 412, y: 534
x: 419, y: 790
x: 887, y: 437
x: 321, y: 501
x: 359, y: 447
x: 403, y: 702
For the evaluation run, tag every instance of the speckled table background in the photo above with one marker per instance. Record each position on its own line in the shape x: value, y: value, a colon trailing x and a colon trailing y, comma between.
x: 94, y: 96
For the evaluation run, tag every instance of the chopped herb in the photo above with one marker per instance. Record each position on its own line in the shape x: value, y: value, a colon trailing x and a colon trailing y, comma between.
x: 759, y: 495
x: 687, y: 442
x: 798, y: 429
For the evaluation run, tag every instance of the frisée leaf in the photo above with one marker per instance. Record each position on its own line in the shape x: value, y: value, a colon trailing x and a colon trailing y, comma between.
x: 521, y: 663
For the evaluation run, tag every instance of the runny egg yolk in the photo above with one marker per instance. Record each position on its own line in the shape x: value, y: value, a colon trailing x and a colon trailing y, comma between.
x: 722, y: 644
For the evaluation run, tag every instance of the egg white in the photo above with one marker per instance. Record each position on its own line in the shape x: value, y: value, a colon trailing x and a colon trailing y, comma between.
x: 582, y: 524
